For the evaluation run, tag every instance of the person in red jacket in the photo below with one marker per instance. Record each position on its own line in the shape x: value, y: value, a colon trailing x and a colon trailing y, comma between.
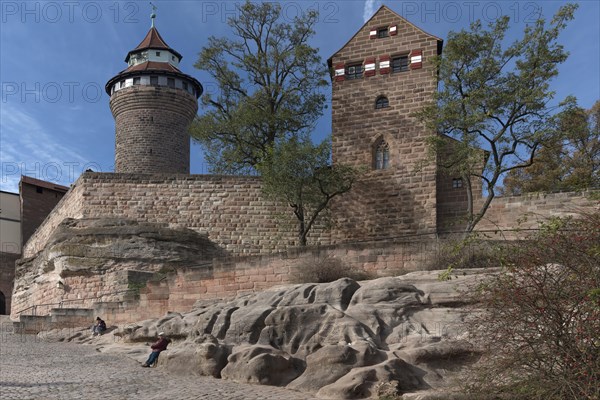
x: 158, y: 346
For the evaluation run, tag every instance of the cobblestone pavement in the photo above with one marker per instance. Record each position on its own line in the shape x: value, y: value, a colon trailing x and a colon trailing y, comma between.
x: 33, y: 369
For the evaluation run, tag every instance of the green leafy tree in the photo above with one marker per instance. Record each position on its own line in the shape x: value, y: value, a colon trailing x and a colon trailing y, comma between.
x: 298, y: 173
x: 269, y: 87
x: 495, y: 97
x: 570, y: 162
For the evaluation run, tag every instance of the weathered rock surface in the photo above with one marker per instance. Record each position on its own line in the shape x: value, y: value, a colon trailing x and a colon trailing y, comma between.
x: 338, y: 340
x: 97, y: 257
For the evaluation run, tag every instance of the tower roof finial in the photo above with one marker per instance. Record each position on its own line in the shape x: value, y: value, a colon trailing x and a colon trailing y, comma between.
x: 153, y: 15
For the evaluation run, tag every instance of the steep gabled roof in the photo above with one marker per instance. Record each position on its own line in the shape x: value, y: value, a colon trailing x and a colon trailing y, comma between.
x: 381, y: 9
x: 153, y: 40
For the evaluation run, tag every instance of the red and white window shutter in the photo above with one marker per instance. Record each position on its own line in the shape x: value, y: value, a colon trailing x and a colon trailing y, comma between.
x: 369, y: 66
x: 416, y: 59
x: 393, y: 30
x: 339, y: 73
x: 384, y: 64
x: 373, y: 33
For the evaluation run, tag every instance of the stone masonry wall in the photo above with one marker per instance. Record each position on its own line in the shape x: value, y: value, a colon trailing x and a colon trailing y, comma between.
x: 231, y: 210
x: 400, y: 199
x: 228, y: 278
x: 70, y: 206
x: 508, y: 216
x: 528, y: 210
x: 152, y: 129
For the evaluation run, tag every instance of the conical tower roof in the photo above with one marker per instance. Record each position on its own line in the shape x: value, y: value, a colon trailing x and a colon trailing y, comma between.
x: 153, y: 40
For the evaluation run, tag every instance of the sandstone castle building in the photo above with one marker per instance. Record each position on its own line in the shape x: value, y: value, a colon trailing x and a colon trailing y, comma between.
x: 218, y: 236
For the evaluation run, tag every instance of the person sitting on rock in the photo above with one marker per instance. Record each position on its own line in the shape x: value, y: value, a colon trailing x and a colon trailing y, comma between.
x: 160, y: 345
x: 99, y: 327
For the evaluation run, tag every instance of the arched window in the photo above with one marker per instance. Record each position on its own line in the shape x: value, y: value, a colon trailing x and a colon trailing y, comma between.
x: 382, y: 155
x: 381, y: 102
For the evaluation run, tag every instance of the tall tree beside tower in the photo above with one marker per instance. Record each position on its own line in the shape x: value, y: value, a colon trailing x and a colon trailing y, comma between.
x: 269, y: 80
x: 496, y: 98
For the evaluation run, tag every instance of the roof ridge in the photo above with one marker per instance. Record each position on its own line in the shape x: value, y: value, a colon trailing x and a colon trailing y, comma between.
x: 383, y: 6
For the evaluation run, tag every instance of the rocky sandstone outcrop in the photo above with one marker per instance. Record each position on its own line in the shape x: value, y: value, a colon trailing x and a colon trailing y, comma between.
x: 97, y: 257
x: 338, y: 340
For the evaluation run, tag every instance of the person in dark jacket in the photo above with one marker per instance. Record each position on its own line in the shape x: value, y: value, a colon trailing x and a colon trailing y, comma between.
x: 158, y: 346
x: 99, y: 327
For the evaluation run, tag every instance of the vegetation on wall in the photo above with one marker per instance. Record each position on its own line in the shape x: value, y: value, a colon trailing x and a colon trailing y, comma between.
x: 299, y: 173
x: 269, y: 87
x: 495, y: 97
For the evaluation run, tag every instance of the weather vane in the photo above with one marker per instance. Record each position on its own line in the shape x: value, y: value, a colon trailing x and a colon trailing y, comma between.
x: 153, y: 15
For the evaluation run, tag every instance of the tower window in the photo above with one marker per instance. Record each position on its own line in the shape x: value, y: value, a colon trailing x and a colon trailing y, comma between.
x: 381, y: 102
x: 136, y: 81
x: 122, y: 84
x: 354, y: 71
x: 382, y: 32
x: 173, y: 58
x: 400, y: 63
x: 185, y: 86
x: 382, y: 155
x: 158, y: 54
x: 171, y: 82
x: 457, y: 183
x: 154, y: 80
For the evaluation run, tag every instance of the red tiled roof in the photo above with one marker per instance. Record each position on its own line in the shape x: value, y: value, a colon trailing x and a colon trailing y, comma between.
x: 153, y: 40
x: 153, y: 65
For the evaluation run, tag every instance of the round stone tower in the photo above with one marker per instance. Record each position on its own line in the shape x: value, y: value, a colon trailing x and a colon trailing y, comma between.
x: 153, y: 104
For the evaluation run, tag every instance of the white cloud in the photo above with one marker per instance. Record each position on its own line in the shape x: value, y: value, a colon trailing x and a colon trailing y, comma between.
x: 27, y: 148
x: 369, y: 9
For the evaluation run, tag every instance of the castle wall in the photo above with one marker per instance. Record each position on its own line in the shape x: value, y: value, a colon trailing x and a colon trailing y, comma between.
x: 70, y: 206
x: 528, y: 210
x: 512, y: 215
x: 400, y: 199
x: 230, y: 209
x: 222, y: 279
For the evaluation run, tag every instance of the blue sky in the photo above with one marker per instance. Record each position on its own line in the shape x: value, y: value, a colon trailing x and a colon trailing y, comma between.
x: 56, y: 56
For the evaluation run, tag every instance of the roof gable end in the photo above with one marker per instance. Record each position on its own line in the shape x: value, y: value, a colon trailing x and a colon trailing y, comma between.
x: 383, y: 11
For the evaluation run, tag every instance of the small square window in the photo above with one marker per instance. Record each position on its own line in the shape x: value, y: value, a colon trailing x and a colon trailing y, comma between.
x: 158, y: 54
x: 185, y: 86
x: 154, y: 80
x: 171, y: 82
x: 399, y: 64
x: 354, y: 71
x: 136, y: 81
x: 457, y: 183
x: 39, y: 189
x: 382, y: 32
